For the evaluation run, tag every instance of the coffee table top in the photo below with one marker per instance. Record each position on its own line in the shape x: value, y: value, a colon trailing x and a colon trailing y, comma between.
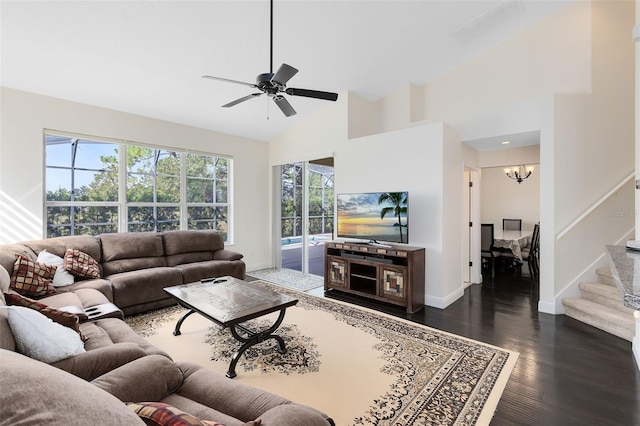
x: 228, y: 300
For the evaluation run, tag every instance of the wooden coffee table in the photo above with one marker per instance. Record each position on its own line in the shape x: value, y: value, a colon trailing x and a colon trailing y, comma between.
x: 228, y: 302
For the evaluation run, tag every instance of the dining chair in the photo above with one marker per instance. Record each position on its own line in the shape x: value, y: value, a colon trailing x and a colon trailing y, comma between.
x: 531, y: 253
x: 487, y: 251
x: 512, y: 224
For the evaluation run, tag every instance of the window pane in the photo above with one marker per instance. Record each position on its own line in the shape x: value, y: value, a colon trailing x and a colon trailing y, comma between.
x: 98, y: 217
x: 222, y: 169
x: 139, y: 188
x: 199, y: 191
x: 140, y: 219
x: 221, y: 191
x: 58, y: 185
x: 96, y: 155
x: 208, y: 218
x: 168, y: 218
x: 58, y: 151
x: 58, y: 221
x: 200, y: 166
x: 168, y: 189
x: 140, y: 159
x: 168, y: 163
x: 96, y: 186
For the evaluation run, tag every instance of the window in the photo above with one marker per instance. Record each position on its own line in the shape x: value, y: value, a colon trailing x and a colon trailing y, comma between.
x: 208, y: 193
x: 161, y: 189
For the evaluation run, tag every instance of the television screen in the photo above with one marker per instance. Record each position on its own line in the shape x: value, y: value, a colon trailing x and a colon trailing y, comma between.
x: 374, y: 216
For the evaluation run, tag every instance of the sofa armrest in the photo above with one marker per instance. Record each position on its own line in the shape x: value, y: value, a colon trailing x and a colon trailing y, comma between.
x: 243, y: 401
x: 96, y: 362
x: 225, y: 254
x: 149, y: 378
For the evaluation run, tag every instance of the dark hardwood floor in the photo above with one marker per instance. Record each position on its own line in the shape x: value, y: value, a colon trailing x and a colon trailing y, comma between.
x: 568, y: 373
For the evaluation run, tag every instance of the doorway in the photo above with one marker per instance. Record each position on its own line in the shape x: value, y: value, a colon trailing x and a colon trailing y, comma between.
x: 306, y: 214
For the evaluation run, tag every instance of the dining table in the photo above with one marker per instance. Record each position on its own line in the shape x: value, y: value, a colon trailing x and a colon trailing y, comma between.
x: 513, y: 241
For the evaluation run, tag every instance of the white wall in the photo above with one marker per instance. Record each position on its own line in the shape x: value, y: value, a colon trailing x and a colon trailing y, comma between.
x: 24, y: 116
x: 424, y: 161
x: 504, y: 198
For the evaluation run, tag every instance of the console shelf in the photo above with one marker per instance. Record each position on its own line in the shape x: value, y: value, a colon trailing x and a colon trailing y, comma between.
x: 392, y: 274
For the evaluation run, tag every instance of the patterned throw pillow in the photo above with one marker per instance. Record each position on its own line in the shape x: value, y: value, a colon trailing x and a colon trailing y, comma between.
x: 67, y: 319
x: 159, y: 413
x: 31, y: 278
x: 81, y: 264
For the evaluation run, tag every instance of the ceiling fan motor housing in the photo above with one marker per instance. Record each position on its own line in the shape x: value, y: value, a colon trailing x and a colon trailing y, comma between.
x: 264, y: 83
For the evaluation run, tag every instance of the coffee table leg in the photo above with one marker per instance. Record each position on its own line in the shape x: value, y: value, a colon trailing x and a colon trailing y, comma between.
x: 252, y: 339
x: 176, y: 332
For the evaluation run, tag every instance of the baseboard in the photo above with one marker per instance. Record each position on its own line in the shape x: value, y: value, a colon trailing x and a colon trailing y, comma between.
x: 258, y: 266
x: 443, y: 302
x: 547, y: 308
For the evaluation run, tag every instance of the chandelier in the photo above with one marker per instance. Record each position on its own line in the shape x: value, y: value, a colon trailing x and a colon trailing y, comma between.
x: 519, y: 173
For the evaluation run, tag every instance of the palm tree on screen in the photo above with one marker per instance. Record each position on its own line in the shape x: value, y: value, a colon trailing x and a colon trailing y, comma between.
x: 398, y: 201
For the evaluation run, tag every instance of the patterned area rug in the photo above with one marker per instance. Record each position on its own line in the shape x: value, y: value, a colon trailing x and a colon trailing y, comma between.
x: 289, y: 278
x: 359, y: 366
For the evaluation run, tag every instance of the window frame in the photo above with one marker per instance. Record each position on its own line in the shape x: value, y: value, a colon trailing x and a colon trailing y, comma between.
x: 121, y: 204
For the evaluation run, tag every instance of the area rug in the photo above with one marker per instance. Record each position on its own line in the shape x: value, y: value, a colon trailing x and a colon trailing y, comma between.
x: 359, y: 366
x: 289, y: 278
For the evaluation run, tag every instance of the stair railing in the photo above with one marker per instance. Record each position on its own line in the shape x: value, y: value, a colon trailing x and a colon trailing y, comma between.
x: 595, y: 205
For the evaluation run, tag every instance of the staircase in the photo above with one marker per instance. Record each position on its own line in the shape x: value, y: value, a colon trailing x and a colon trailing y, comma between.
x: 601, y: 306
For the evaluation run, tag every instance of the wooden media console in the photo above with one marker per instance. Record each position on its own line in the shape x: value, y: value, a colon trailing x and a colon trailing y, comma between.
x: 392, y: 274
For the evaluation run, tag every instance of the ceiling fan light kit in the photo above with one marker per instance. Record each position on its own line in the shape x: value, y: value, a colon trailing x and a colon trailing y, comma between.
x: 274, y: 84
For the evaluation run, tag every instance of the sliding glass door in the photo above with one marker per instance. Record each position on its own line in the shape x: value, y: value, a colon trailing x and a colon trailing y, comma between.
x: 306, y: 214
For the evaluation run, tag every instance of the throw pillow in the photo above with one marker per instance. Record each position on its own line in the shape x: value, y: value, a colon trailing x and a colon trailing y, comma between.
x: 81, y: 264
x: 62, y: 277
x: 31, y: 278
x: 67, y: 319
x: 40, y: 338
x: 161, y: 414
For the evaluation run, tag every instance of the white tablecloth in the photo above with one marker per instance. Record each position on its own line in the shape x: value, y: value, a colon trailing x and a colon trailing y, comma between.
x: 512, y: 240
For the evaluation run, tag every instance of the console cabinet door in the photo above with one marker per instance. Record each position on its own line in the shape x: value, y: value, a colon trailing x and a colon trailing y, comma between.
x: 337, y: 271
x: 393, y: 282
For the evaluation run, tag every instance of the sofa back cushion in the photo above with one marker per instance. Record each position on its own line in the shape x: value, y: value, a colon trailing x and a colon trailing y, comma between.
x: 36, y: 393
x: 191, y: 246
x: 8, y: 254
x: 59, y: 245
x: 6, y: 337
x: 131, y: 251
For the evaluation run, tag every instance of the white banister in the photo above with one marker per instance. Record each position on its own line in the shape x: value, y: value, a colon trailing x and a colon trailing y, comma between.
x: 595, y: 205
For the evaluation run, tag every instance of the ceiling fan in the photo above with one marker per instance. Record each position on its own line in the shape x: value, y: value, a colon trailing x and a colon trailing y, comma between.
x: 274, y: 84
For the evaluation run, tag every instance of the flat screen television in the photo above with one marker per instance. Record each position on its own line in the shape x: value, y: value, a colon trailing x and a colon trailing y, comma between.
x: 374, y: 216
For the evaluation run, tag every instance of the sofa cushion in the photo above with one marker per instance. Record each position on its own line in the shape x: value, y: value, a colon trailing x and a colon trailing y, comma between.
x: 31, y: 278
x: 64, y: 318
x: 191, y: 245
x: 161, y: 414
x: 143, y: 286
x: 81, y: 264
x: 40, y: 338
x: 124, y: 252
x: 59, y: 245
x: 62, y: 277
x: 34, y: 393
x: 196, y: 271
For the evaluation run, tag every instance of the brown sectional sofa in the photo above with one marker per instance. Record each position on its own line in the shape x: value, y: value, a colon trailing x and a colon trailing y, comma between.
x: 136, y: 266
x: 119, y: 366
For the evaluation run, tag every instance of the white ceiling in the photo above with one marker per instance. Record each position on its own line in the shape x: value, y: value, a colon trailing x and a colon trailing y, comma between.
x: 147, y: 57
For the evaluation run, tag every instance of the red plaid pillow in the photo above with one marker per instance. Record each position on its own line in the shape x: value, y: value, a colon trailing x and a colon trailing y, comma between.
x: 81, y: 264
x: 31, y: 278
x: 67, y: 319
x: 159, y: 413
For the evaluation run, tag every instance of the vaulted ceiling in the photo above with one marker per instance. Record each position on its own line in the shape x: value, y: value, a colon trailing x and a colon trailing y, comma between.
x: 147, y: 57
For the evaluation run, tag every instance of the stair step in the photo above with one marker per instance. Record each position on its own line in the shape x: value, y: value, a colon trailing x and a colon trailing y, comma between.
x: 605, y: 276
x: 605, y: 295
x: 603, y: 317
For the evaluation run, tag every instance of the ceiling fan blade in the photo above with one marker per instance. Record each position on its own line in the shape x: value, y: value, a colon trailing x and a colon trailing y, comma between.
x: 284, y: 105
x: 284, y: 73
x: 229, y: 81
x: 245, y: 98
x: 327, y: 96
